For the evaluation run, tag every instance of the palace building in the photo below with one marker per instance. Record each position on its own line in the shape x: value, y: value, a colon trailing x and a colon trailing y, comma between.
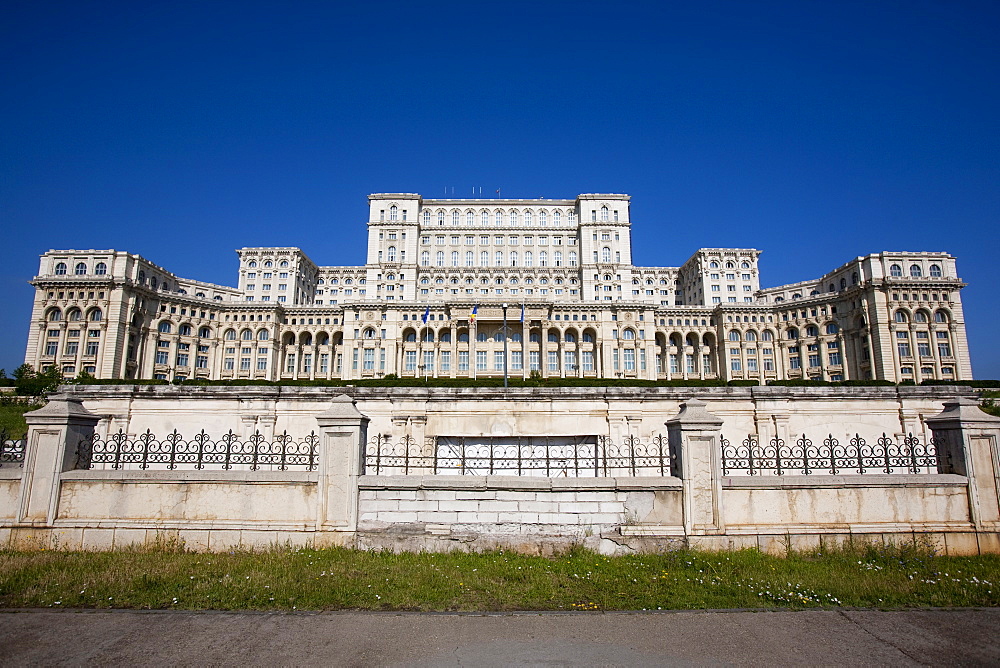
x: 441, y: 278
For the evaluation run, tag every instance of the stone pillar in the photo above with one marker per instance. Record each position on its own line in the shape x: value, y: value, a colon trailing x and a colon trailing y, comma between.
x: 695, y: 442
x: 966, y: 439
x: 54, y: 434
x: 344, y: 433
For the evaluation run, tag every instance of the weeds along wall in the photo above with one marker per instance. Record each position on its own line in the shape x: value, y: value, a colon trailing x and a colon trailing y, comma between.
x: 533, y: 469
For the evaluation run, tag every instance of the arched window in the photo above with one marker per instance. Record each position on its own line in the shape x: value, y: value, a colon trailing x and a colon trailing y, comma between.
x: 606, y: 255
x: 440, y: 217
x: 263, y: 335
x: 439, y: 259
x: 919, y: 316
x: 411, y: 336
x: 556, y: 218
x: 751, y: 335
x: 427, y: 217
x: 100, y: 269
x: 470, y: 259
x: 543, y: 218
x: 604, y: 212
x: 284, y: 264
x: 900, y: 316
x: 553, y: 337
x: 230, y: 335
x: 513, y: 217
x: 628, y: 334
x: 184, y: 330
x: 164, y: 327
x: 528, y: 259
x: 205, y: 333
x: 713, y: 265
x: 543, y: 259
x: 425, y: 259
x: 812, y: 330
x: 454, y: 218
x: 766, y: 335
x: 463, y: 337
x: 588, y: 337
x: 915, y: 271
x: 393, y: 212
x: 570, y: 338
x: 557, y: 259
x: 60, y: 269
x: 74, y: 315
x: 513, y: 258
x: 81, y: 269
x: 572, y: 258
x: 935, y: 271
x: 470, y: 218
x: 831, y: 328
x: 246, y: 335
x: 854, y: 278
x: 734, y: 335
x: 895, y: 270
x: 142, y: 277
x: 55, y: 315
x: 793, y: 333
x: 528, y: 218
x: 843, y: 284
x: 96, y: 315
x: 940, y: 316
x: 481, y: 337
x: 392, y: 253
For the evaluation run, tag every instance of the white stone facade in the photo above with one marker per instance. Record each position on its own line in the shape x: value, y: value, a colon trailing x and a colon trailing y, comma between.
x: 429, y: 301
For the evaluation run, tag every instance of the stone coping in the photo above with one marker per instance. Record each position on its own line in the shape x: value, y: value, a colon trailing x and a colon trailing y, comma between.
x: 207, y: 476
x: 856, y: 480
x: 295, y: 392
x: 526, y: 483
x: 11, y: 472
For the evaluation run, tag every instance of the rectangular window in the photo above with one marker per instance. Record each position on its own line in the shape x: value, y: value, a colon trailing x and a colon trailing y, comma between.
x: 569, y: 360
x: 944, y: 349
x: 480, y: 360
x: 445, y: 360
x: 324, y: 363
x: 290, y: 364
x: 368, y: 360
x: 161, y: 357
x: 410, y: 363
x: 706, y: 364
x: 92, y: 347
x: 534, y: 362
x: 674, y: 368
x: 752, y: 364
x: 227, y: 364
x: 588, y: 360
x: 72, y: 347
x: 904, y: 349
x: 834, y: 359
x: 630, y: 359
x: 614, y: 360
x: 768, y: 365
x: 924, y: 348
x: 735, y: 365
x: 553, y: 360
x: 498, y: 360
x: 463, y: 360
x: 428, y: 362
x: 201, y: 362
x: 814, y: 360
x: 794, y: 363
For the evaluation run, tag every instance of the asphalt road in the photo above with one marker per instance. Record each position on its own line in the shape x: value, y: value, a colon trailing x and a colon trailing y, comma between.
x: 850, y: 637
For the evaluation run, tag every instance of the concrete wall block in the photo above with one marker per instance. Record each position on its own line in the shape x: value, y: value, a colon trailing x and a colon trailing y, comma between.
x: 498, y: 506
x: 417, y: 504
x: 579, y: 507
x: 597, y: 496
x: 475, y: 495
x: 558, y: 518
x: 437, y: 517
x: 505, y: 495
x: 98, y: 539
x: 601, y: 518
x: 612, y: 506
x: 398, y: 516
x: 804, y: 542
x: 538, y: 506
x: 961, y: 544
x: 459, y: 505
x: 381, y: 505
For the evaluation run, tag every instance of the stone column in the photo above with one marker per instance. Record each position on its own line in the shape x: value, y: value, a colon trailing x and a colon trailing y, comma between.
x: 54, y: 434
x: 344, y: 433
x: 695, y: 441
x: 966, y: 439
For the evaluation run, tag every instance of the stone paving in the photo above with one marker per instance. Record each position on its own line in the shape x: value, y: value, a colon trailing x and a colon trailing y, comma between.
x: 816, y: 637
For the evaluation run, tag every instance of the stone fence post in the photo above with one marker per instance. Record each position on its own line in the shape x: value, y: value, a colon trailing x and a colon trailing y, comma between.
x: 54, y: 434
x: 695, y: 443
x: 344, y: 433
x: 966, y: 439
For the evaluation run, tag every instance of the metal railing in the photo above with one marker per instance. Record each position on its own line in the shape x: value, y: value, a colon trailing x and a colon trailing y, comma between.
x: 575, y: 457
x: 11, y: 449
x: 804, y: 457
x: 121, y: 451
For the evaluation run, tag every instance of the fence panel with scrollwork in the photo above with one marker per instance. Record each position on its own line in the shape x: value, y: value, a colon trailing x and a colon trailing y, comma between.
x: 11, y: 449
x: 829, y: 456
x: 575, y: 457
x: 146, y: 451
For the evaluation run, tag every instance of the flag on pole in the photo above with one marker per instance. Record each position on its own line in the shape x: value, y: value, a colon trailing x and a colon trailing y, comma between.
x: 426, y: 314
x: 522, y: 314
x: 472, y: 316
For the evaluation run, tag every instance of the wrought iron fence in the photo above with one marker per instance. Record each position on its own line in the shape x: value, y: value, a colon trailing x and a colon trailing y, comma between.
x: 885, y: 455
x: 576, y: 457
x: 121, y: 451
x: 11, y: 449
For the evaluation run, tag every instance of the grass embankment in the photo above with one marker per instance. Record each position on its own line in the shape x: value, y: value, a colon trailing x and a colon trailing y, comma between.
x: 333, y: 579
x: 12, y: 410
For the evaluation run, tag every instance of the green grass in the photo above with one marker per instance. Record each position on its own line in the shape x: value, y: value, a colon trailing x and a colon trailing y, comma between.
x: 12, y: 417
x: 339, y: 578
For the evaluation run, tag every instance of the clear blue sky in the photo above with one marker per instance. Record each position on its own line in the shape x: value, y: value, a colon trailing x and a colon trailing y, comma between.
x: 815, y: 131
